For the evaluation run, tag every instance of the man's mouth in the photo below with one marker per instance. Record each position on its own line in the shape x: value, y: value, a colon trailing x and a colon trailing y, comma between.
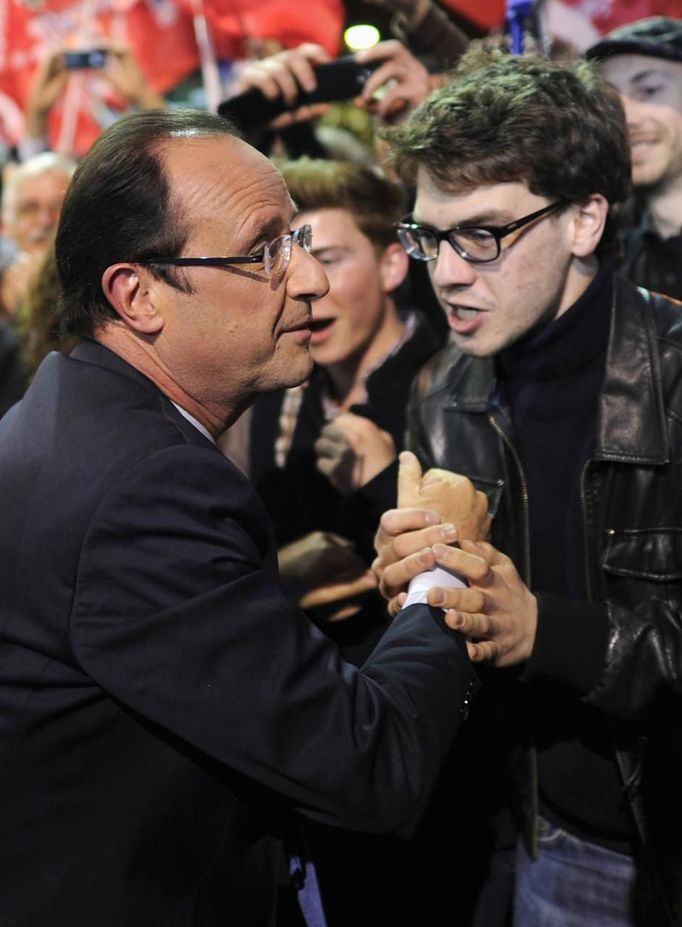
x: 641, y: 142
x: 464, y: 313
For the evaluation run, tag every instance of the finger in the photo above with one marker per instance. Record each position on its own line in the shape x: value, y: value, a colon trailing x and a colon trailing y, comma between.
x: 384, y: 51
x: 482, y: 651
x: 330, y: 446
x: 409, y: 478
x: 347, y: 425
x: 396, y: 576
x: 313, y: 52
x: 333, y: 433
x: 469, y: 564
x: 476, y: 625
x: 326, y: 465
x: 302, y: 69
x: 393, y: 101
x: 402, y: 73
x: 396, y: 604
x: 413, y: 541
x: 462, y: 598
x: 272, y: 78
x: 398, y: 521
x: 490, y: 554
x: 287, y: 85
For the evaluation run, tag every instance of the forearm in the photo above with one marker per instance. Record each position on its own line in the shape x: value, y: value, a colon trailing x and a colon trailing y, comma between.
x: 365, y: 507
x: 430, y: 33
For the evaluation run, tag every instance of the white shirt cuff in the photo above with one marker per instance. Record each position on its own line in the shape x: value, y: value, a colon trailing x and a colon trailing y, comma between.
x: 420, y: 585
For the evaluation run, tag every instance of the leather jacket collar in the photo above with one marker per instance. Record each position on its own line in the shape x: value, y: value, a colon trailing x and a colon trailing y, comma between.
x: 631, y: 423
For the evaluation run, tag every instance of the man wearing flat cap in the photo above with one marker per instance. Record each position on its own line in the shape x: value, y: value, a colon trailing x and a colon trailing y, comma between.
x: 643, y: 61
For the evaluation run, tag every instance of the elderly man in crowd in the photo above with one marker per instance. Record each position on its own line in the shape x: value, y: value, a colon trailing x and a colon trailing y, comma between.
x: 31, y: 204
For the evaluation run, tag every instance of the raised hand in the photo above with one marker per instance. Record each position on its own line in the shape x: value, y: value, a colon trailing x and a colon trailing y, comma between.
x: 351, y: 450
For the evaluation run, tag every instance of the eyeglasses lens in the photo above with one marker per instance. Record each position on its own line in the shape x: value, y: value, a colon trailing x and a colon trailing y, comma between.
x: 276, y: 255
x: 472, y: 244
x: 476, y: 244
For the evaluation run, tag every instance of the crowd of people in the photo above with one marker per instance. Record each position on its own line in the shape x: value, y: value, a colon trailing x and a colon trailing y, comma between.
x: 340, y: 456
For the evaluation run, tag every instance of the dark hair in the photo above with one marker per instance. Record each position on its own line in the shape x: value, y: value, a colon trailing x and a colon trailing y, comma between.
x: 502, y: 118
x: 375, y: 202
x: 119, y: 208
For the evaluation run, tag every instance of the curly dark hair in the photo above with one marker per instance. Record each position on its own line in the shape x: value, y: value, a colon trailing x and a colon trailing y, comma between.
x: 501, y: 118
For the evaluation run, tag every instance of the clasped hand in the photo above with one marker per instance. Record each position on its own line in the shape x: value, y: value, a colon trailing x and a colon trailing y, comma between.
x: 496, y: 611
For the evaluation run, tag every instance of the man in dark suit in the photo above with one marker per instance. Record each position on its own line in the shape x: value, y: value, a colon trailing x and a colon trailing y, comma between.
x: 165, y: 712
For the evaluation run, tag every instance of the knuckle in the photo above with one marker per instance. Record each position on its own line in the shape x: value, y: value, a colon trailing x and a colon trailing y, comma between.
x: 478, y: 571
x: 402, y: 547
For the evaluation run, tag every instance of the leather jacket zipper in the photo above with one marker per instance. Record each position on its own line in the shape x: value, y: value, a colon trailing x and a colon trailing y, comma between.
x: 499, y: 430
x: 531, y: 833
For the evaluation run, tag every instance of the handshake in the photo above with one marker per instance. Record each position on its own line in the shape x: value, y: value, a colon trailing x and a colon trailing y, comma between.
x: 442, y: 521
x: 329, y: 578
x: 451, y: 495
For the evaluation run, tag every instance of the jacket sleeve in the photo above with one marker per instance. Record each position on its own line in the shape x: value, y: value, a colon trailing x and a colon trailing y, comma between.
x: 178, y: 616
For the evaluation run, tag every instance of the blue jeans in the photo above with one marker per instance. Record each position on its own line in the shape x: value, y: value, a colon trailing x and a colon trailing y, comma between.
x: 573, y: 883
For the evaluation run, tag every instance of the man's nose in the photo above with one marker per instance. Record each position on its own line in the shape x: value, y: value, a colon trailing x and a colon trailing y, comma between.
x: 450, y: 268
x: 47, y: 216
x: 307, y: 278
x: 635, y: 113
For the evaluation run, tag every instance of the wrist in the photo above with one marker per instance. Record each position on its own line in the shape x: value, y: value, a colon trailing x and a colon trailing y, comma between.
x: 421, y: 584
x: 36, y: 123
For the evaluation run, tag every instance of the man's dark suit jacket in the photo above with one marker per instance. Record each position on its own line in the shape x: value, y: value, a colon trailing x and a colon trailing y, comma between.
x: 163, y: 706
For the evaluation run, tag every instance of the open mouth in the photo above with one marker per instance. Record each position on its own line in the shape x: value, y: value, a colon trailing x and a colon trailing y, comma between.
x: 464, y: 312
x: 319, y: 325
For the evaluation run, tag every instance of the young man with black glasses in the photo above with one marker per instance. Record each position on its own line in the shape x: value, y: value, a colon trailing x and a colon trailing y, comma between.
x: 560, y: 398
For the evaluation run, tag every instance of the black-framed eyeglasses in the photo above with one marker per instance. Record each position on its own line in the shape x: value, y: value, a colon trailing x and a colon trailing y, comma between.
x: 478, y: 244
x: 274, y: 257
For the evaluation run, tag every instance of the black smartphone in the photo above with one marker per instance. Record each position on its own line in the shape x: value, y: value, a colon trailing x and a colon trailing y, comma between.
x: 85, y: 58
x: 341, y: 79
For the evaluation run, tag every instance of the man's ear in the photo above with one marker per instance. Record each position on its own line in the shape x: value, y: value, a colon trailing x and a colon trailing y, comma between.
x: 588, y: 224
x: 127, y: 287
x: 394, y: 263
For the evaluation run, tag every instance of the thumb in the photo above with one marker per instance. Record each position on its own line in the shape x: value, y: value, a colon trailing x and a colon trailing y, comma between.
x: 409, y: 480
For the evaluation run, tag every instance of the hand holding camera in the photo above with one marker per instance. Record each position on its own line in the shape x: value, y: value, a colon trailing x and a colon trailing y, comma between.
x: 293, y: 86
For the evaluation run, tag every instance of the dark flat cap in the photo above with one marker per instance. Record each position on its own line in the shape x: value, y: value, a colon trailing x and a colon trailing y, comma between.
x: 657, y: 36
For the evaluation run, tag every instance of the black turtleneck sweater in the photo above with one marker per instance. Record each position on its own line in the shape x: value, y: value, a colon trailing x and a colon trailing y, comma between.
x: 551, y: 381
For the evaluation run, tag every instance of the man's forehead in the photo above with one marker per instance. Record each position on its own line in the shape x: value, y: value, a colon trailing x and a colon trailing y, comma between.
x: 223, y: 176
x: 54, y: 178
x: 473, y: 204
x: 635, y: 67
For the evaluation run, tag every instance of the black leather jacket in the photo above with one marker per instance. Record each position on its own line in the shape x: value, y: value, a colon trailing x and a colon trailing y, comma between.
x: 632, y: 505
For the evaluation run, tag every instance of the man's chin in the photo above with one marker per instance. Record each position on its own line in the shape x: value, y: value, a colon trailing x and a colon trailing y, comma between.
x: 298, y: 373
x: 647, y: 179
